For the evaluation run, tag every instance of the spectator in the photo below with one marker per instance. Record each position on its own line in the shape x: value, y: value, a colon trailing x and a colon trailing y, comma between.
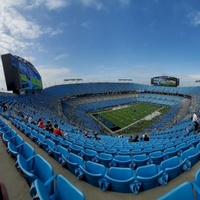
x: 49, y: 126
x: 57, y: 130
x: 40, y: 123
x: 146, y: 138
x: 136, y: 138
x: 130, y: 139
x: 195, y: 121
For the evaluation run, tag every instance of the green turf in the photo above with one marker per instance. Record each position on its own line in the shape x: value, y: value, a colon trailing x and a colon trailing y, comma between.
x: 132, y: 115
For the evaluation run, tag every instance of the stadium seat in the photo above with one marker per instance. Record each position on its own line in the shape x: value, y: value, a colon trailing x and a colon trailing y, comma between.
x: 196, y: 184
x: 14, y: 145
x: 48, y: 146
x: 173, y: 167
x: 121, y: 161
x: 88, y: 154
x: 7, y: 136
x: 39, y: 169
x: 191, y: 155
x: 183, y: 192
x: 76, y: 149
x: 64, y: 190
x: 91, y: 172
x: 27, y: 152
x: 112, y: 151
x: 140, y: 160
x: 157, y: 157
x: 34, y: 135
x: 72, y: 162
x: 148, y: 177
x: 104, y: 159
x: 118, y: 179
x: 59, y: 152
x: 171, y: 152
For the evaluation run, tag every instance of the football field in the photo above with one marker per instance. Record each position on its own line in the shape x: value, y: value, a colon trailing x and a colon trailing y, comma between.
x: 122, y: 117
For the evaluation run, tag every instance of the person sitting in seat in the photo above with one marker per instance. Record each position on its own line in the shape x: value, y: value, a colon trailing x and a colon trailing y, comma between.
x: 57, y: 130
x: 40, y: 123
x: 146, y: 138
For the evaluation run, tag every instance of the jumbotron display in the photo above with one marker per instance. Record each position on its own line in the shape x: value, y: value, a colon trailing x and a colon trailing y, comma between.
x: 21, y: 76
x: 165, y: 81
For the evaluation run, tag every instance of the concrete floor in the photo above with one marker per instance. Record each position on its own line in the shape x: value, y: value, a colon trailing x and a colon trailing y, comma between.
x: 18, y: 189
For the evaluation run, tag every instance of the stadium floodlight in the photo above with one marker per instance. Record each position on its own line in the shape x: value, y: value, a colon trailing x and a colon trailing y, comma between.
x: 125, y: 79
x: 74, y: 79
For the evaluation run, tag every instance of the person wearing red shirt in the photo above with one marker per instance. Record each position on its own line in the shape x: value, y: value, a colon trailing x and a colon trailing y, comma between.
x: 57, y: 130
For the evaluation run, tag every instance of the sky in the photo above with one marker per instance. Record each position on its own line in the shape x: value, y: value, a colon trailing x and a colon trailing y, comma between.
x: 103, y: 40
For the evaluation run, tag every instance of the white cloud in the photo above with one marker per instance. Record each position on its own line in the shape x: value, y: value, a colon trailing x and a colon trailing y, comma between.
x: 195, y: 18
x: 53, y: 76
x: 62, y: 56
x: 85, y: 25
x: 56, y: 4
x: 124, y: 2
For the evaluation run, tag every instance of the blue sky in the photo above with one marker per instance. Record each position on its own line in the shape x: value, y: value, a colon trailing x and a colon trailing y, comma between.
x: 103, y: 40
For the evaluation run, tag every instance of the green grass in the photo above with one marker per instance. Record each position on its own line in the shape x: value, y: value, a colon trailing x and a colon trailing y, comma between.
x: 132, y: 116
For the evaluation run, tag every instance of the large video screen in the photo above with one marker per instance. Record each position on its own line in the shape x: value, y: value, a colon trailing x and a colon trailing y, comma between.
x: 165, y: 81
x: 21, y: 76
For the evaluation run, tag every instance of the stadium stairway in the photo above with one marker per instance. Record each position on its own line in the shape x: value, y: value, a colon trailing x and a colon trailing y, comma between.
x: 18, y: 189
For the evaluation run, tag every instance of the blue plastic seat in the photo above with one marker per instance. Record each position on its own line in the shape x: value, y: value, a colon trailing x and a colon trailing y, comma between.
x: 27, y: 131
x: 76, y: 149
x: 183, y: 192
x: 91, y: 172
x: 121, y: 161
x: 182, y: 147
x: 171, y: 152
x: 191, y: 155
x: 38, y: 169
x: 59, y: 152
x: 196, y: 184
x: 118, y: 179
x: 157, y: 157
x: 34, y: 135
x: 148, y: 177
x: 8, y: 135
x: 125, y: 152
x: 172, y: 166
x: 40, y: 139
x: 112, y: 151
x: 48, y: 145
x: 105, y: 159
x: 27, y: 152
x: 140, y: 160
x: 14, y: 144
x: 64, y: 190
x: 72, y: 162
x: 88, y: 154
x: 4, y: 128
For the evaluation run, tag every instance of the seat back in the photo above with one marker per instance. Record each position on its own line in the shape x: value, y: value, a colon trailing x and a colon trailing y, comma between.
x: 189, y: 152
x: 120, y: 173
x: 170, y: 163
x: 43, y: 171
x: 75, y: 159
x: 94, y: 168
x: 66, y: 190
x: 147, y: 171
x: 183, y: 191
x: 26, y: 150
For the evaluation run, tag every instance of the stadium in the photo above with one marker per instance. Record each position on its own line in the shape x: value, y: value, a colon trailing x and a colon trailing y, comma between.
x: 94, y: 158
